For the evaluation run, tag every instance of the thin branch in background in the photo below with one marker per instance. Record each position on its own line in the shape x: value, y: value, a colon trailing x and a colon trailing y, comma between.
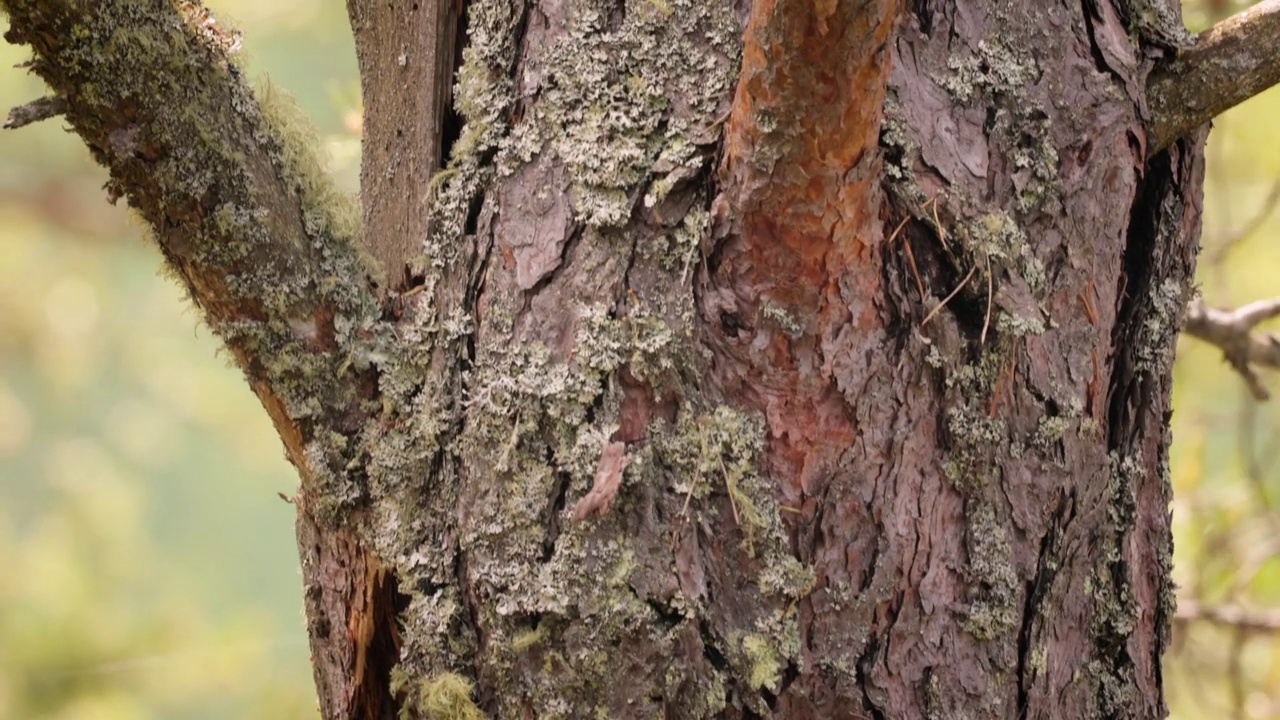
x: 1224, y: 247
x: 1257, y: 462
x: 35, y: 111
x: 1232, y: 332
x: 1257, y: 620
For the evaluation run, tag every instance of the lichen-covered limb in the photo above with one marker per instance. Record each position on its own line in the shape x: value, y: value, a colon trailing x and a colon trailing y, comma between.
x: 35, y: 111
x: 230, y: 188
x: 247, y: 219
x: 1230, y: 63
x: 1232, y: 330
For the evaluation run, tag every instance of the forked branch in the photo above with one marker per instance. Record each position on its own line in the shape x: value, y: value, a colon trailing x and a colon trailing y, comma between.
x: 1232, y: 331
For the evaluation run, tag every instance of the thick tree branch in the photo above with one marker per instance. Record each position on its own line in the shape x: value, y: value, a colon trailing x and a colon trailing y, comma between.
x: 1233, y: 332
x: 1230, y: 63
x: 231, y: 189
x: 245, y: 216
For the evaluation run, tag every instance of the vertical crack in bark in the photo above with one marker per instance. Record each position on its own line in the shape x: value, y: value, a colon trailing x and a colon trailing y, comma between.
x: 1047, y: 563
x: 1124, y: 390
x: 866, y: 661
x: 471, y: 612
x: 1087, y: 11
x: 378, y: 648
x: 451, y: 120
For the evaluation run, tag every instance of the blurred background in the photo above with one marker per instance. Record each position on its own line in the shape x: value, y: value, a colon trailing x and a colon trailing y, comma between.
x: 1225, y: 661
x: 148, y: 567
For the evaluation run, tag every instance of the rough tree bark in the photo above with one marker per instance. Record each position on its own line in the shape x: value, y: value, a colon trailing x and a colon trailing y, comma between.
x: 770, y: 359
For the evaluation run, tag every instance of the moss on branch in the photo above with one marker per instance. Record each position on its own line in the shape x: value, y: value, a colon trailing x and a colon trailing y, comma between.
x: 238, y: 202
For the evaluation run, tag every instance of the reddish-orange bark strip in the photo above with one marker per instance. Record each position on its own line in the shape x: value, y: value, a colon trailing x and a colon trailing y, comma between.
x: 800, y: 171
x: 806, y: 112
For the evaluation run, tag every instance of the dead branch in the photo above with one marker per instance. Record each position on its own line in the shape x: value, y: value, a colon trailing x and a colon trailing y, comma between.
x: 247, y: 219
x: 1230, y: 63
x: 35, y: 111
x: 1232, y: 331
x: 407, y: 58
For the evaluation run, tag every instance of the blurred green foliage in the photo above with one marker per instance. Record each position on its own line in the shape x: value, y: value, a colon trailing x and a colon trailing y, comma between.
x: 1226, y: 445
x: 149, y: 568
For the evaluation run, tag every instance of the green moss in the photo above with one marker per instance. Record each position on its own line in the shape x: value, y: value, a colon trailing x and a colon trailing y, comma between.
x: 328, y: 214
x: 446, y: 696
x: 244, y: 210
x: 527, y: 639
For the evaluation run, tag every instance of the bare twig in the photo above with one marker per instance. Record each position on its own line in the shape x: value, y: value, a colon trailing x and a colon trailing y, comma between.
x: 1230, y: 63
x: 35, y: 111
x: 1232, y: 331
x: 991, y: 292
x: 911, y: 256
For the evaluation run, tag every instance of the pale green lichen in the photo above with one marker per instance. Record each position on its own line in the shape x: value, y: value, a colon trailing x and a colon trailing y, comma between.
x: 765, y: 665
x: 997, y: 237
x: 784, y: 320
x: 994, y: 610
x: 1158, y: 21
x: 1154, y: 346
x: 1050, y: 431
x: 717, y: 452
x: 527, y: 639
x: 969, y: 427
x: 684, y: 244
x: 256, y: 229
x: 900, y: 152
x: 605, y: 108
x: 995, y: 67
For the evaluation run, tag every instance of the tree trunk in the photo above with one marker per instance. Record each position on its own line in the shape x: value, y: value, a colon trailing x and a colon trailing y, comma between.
x: 697, y: 434
x: 773, y: 359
